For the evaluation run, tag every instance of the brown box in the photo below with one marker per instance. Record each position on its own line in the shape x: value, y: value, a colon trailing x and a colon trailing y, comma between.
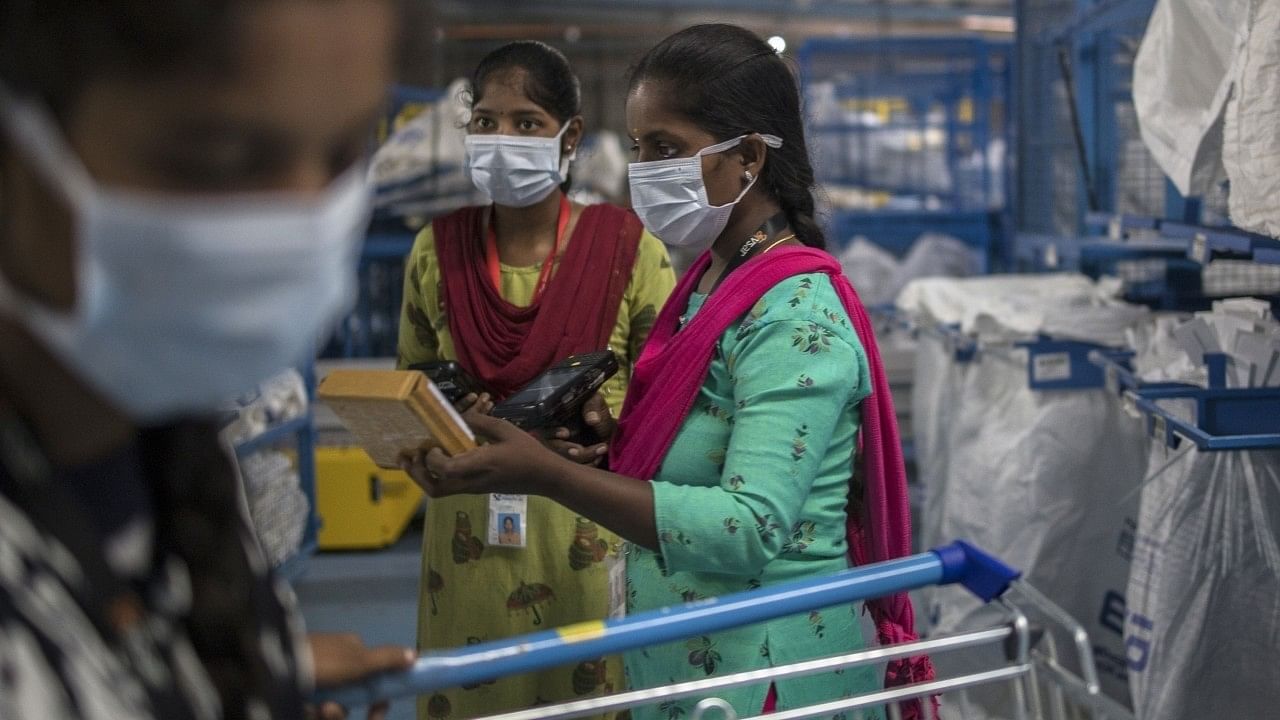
x: 394, y: 412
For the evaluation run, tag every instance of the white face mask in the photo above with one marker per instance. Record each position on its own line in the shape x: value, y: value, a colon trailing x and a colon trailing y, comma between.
x: 516, y: 171
x: 670, y: 197
x: 185, y: 303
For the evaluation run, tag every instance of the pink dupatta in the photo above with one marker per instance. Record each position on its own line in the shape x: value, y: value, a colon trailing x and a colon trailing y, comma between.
x: 672, y: 368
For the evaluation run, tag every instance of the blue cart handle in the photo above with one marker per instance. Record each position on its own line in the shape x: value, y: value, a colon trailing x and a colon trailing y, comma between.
x: 958, y: 562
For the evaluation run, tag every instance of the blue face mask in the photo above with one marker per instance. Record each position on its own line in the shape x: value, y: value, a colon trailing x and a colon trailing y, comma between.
x: 516, y: 171
x: 670, y: 196
x: 184, y: 303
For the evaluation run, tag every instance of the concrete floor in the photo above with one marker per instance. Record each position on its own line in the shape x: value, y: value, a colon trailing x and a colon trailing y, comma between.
x: 374, y: 594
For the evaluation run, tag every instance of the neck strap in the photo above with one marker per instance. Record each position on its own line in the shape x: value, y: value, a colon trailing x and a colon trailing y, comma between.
x: 771, y: 228
x: 544, y: 277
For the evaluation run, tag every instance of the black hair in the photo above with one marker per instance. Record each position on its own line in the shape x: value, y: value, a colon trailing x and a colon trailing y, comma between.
x: 549, y: 80
x: 730, y: 83
x: 50, y: 49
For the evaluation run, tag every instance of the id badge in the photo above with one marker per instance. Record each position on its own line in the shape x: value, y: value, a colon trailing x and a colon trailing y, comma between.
x: 508, y: 520
x: 616, y: 564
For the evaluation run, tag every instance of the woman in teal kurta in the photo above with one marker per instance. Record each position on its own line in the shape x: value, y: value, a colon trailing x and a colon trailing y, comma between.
x: 739, y: 477
x: 753, y: 492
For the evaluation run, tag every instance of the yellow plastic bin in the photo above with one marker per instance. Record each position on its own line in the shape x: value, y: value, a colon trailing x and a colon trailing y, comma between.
x: 361, y: 505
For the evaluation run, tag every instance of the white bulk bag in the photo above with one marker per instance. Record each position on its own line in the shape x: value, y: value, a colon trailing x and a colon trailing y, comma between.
x: 1251, y: 150
x: 1203, y: 632
x: 1182, y: 77
x: 1045, y: 480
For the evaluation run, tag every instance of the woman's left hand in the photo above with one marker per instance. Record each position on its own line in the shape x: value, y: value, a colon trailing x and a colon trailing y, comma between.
x: 511, y: 462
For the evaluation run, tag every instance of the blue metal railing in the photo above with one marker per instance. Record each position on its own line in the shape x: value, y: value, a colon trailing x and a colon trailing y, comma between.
x: 957, y: 563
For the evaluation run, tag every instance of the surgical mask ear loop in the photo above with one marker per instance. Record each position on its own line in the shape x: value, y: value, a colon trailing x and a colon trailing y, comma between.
x: 567, y: 155
x: 772, y: 141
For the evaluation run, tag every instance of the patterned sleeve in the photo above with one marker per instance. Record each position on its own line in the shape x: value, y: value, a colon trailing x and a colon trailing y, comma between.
x: 792, y: 384
x: 418, y: 341
x: 651, y: 284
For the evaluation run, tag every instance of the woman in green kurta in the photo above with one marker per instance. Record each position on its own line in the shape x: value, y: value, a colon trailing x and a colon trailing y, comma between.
x: 753, y: 492
x: 474, y: 591
x: 732, y: 465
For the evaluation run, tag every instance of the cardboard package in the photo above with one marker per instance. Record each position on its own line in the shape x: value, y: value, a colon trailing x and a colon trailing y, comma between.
x: 394, y: 412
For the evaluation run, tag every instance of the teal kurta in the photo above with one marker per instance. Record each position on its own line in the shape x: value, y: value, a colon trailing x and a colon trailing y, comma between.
x: 752, y: 493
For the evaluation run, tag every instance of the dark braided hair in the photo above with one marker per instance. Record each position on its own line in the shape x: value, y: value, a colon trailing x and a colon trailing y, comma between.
x: 729, y: 83
x: 549, y: 80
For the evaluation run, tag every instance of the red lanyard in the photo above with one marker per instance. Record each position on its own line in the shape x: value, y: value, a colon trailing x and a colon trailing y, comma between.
x: 491, y: 252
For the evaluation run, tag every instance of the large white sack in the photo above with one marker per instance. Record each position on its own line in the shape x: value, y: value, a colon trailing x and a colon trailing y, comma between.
x: 870, y: 269
x: 1203, y: 632
x: 934, y: 255
x: 935, y: 396
x: 1251, y: 151
x: 1182, y: 77
x: 1046, y: 481
x: 1004, y: 306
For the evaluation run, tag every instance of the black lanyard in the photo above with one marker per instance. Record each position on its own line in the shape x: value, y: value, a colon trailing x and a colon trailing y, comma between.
x: 773, y: 226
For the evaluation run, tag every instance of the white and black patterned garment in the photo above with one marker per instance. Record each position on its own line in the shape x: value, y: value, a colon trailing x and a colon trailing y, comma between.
x: 54, y: 660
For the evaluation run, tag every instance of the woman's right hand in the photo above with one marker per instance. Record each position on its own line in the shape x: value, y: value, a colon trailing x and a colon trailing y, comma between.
x: 599, y: 419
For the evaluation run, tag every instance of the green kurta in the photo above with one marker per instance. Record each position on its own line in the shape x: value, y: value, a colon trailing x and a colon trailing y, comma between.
x: 473, y: 592
x: 752, y: 493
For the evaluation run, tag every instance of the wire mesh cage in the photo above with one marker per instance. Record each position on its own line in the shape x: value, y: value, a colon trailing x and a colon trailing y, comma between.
x: 918, y: 123
x: 1047, y: 160
x: 1080, y: 147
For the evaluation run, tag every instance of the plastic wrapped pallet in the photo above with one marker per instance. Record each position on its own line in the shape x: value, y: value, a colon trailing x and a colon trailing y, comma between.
x: 1204, y: 593
x: 1044, y: 479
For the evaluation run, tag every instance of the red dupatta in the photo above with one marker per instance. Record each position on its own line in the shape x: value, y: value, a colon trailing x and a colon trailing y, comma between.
x: 674, y: 365
x: 505, y: 346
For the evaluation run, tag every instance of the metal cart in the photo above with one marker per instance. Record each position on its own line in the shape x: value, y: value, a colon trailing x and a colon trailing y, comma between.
x: 1039, y: 653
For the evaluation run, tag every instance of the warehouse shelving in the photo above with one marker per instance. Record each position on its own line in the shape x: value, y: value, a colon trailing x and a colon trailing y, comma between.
x: 911, y: 122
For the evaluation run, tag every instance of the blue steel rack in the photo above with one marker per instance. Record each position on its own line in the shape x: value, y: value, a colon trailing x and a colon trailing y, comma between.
x: 1099, y: 39
x: 1225, y: 418
x: 957, y: 87
x: 1052, y: 363
x: 1179, y: 250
